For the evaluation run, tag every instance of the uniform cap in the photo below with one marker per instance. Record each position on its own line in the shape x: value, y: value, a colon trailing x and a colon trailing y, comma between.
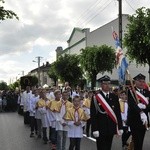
x: 139, y: 77
x: 104, y: 79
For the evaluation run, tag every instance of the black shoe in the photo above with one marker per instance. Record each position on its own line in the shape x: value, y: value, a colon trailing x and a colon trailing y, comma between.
x: 32, y: 135
x: 45, y: 142
x: 125, y: 147
x: 39, y: 136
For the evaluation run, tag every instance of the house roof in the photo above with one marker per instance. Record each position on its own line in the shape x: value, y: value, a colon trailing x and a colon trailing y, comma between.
x: 44, y: 67
x: 75, y: 29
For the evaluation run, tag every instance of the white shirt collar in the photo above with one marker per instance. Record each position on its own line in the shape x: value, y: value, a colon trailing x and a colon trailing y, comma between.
x: 105, y: 93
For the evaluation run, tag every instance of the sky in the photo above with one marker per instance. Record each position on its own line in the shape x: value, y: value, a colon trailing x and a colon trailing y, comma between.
x: 44, y: 25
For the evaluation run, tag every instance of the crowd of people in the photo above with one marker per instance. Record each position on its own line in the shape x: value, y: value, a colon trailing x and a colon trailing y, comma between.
x: 55, y: 115
x: 8, y: 101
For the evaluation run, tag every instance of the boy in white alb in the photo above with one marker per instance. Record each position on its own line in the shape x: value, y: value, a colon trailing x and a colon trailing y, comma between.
x: 52, y: 107
x: 38, y: 117
x: 32, y: 110
x: 42, y: 105
x: 76, y: 118
x: 124, y: 112
x: 27, y: 95
x: 61, y: 126
x: 86, y: 106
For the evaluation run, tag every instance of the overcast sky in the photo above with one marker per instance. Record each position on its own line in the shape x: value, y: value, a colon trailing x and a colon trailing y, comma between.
x: 45, y: 24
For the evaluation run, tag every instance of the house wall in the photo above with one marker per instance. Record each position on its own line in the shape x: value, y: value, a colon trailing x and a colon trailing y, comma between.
x: 100, y: 36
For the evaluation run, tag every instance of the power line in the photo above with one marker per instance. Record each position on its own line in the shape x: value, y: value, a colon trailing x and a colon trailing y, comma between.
x: 89, y: 19
x: 86, y: 22
x: 87, y: 12
x: 84, y: 12
x: 130, y: 5
x: 91, y: 15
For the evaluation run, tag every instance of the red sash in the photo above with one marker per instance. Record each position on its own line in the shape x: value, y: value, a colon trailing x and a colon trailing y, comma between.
x: 106, y: 107
x: 142, y: 98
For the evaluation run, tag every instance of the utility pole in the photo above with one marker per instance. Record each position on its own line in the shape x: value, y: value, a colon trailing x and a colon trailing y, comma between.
x: 22, y: 73
x: 120, y: 22
x: 38, y: 61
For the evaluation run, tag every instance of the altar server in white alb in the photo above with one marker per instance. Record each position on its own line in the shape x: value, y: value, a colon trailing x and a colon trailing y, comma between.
x: 86, y: 107
x: 38, y: 117
x: 27, y: 95
x: 61, y: 127
x: 42, y: 105
x: 124, y: 112
x: 52, y: 107
x: 32, y: 110
x: 75, y: 118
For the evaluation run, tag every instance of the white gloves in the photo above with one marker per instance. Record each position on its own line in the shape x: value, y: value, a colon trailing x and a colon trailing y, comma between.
x: 143, y: 118
x: 141, y: 106
x: 120, y: 132
x: 96, y: 134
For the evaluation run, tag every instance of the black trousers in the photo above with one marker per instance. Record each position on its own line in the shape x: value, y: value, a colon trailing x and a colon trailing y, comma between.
x: 88, y: 124
x: 104, y: 142
x: 26, y: 117
x: 33, y: 124
x: 53, y: 136
x: 138, y: 137
x: 45, y: 134
x: 75, y: 143
x: 125, y: 136
x: 20, y: 110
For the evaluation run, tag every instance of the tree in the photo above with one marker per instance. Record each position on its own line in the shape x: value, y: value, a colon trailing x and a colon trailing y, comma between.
x: 52, y: 72
x: 67, y: 68
x: 3, y: 86
x: 137, y: 38
x: 34, y: 80
x: 14, y: 85
x: 6, y: 14
x: 28, y: 81
x: 96, y: 60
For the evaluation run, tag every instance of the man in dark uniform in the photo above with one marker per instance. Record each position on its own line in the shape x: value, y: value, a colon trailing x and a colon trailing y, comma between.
x: 105, y: 116
x: 138, y: 101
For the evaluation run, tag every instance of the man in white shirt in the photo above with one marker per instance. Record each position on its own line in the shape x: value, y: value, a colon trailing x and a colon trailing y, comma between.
x: 27, y: 95
x: 32, y: 110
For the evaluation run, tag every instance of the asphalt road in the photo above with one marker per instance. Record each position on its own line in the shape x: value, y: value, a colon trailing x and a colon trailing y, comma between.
x: 14, y: 135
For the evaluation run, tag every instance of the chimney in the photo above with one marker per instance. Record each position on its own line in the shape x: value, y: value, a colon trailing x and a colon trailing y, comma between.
x: 59, y: 51
x: 47, y: 63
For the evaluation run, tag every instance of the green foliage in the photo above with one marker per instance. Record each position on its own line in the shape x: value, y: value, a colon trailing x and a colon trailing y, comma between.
x: 96, y: 60
x: 6, y: 14
x: 137, y: 38
x: 28, y: 81
x: 52, y: 72
x: 34, y: 81
x: 3, y: 86
x: 67, y: 68
x: 14, y: 85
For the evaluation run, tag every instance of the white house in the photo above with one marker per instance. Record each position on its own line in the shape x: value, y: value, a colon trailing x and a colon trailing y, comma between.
x: 44, y: 78
x: 81, y: 38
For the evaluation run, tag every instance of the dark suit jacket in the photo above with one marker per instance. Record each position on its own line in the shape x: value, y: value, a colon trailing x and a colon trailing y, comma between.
x: 102, y: 122
x: 134, y: 118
